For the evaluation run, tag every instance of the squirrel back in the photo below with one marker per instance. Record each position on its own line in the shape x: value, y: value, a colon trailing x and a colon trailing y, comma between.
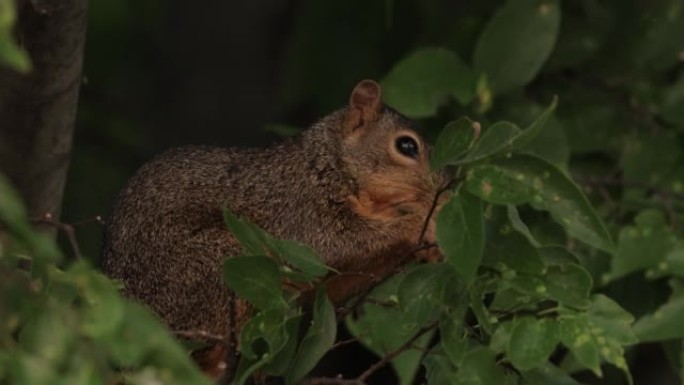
x: 356, y: 187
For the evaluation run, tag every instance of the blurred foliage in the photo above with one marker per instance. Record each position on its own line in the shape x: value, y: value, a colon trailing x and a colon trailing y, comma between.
x: 558, y: 237
x: 71, y: 325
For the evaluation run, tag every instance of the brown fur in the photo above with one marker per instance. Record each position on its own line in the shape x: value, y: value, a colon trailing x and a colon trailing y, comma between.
x: 341, y: 187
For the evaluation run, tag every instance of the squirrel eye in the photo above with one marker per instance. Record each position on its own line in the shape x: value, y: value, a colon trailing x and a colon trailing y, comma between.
x: 407, y: 146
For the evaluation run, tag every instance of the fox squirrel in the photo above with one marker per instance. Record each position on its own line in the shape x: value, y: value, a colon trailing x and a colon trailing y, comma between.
x: 356, y: 187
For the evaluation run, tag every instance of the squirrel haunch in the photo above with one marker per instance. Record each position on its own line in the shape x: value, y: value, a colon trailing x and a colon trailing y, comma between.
x: 346, y: 187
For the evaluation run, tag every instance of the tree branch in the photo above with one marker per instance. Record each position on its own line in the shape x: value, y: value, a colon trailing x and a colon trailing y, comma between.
x: 390, y: 356
x: 37, y: 110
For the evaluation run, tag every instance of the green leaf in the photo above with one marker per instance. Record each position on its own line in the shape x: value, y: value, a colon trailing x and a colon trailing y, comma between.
x: 601, y: 332
x: 370, y: 327
x: 422, y: 82
x: 256, y: 241
x: 510, y: 250
x: 281, y: 362
x: 516, y: 42
x: 479, y: 368
x: 48, y: 335
x: 651, y: 158
x: 494, y: 140
x: 476, y: 297
x: 246, y: 367
x: 519, y: 225
x: 13, y: 216
x: 530, y: 133
x: 265, y: 335
x: 645, y: 245
x: 10, y: 54
x: 672, y: 265
x: 557, y: 255
x: 12, y: 211
x: 439, y: 370
x: 300, y: 256
x: 318, y: 340
x: 104, y: 312
x: 501, y: 337
x: 664, y: 323
x: 253, y: 239
x: 505, y: 137
x: 423, y: 290
x: 532, y: 341
x: 551, y: 144
x: 460, y: 233
x: 255, y: 278
x: 533, y: 286
x: 453, y: 141
x: 569, y: 284
x: 548, y: 374
x: 528, y: 179
x: 142, y: 338
x: 453, y: 337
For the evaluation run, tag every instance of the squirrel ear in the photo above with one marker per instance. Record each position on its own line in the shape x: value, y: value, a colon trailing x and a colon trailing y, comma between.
x: 364, y: 105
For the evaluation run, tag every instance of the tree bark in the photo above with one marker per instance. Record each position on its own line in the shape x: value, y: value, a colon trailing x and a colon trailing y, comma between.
x: 37, y: 110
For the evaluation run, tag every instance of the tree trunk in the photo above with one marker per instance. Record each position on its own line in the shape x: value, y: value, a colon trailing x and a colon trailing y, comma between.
x: 37, y: 110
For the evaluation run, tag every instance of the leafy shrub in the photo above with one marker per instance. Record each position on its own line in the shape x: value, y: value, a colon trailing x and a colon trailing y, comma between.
x: 71, y: 326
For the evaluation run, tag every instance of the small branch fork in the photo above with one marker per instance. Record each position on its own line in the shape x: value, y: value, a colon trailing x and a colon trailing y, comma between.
x: 361, y: 379
x: 67, y: 228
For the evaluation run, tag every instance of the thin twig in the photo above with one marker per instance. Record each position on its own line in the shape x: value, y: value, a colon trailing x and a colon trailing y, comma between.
x: 96, y: 219
x: 66, y: 228
x: 230, y: 342
x: 435, y: 201
x: 390, y: 356
x: 667, y: 197
x: 331, y: 381
x: 344, y: 343
x: 199, y: 335
x: 611, y: 181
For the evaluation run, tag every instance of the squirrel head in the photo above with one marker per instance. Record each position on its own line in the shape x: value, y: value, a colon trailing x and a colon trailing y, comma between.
x: 390, y: 162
